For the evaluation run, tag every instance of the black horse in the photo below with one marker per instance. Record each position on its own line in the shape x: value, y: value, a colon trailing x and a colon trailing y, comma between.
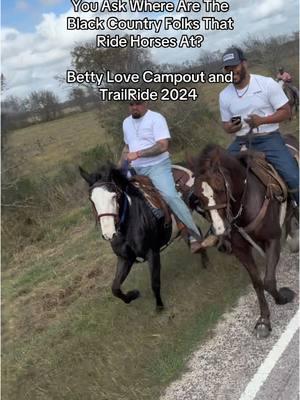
x: 128, y: 222
x: 241, y: 216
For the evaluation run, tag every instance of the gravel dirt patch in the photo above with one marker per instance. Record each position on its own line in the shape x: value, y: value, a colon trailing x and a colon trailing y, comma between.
x: 222, y: 367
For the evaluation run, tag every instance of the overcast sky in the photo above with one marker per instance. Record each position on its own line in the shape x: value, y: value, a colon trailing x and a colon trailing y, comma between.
x: 36, y: 44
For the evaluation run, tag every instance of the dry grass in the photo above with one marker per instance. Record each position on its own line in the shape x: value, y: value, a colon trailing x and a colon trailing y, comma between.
x: 44, y: 146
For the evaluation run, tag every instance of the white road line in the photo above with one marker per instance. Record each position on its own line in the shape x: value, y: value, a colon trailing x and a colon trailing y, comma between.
x: 274, y: 355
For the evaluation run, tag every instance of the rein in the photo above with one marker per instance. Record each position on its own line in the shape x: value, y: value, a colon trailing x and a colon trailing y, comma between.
x: 229, y: 197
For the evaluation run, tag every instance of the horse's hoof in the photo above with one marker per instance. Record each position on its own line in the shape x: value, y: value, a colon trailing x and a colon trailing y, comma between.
x: 286, y: 295
x: 132, y: 295
x: 159, y: 309
x: 262, y: 331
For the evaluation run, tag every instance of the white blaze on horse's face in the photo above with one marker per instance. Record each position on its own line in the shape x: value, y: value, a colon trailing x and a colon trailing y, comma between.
x: 105, y: 203
x: 217, y: 221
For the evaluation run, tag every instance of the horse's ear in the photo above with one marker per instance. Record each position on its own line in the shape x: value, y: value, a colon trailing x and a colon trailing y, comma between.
x: 119, y: 178
x: 215, y: 157
x: 191, y: 161
x: 86, y: 176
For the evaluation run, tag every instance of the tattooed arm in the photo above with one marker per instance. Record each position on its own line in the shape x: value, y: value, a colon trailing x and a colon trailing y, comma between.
x: 158, y: 148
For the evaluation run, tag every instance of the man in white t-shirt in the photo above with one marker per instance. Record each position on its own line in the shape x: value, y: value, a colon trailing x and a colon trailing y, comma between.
x: 251, y: 108
x: 147, y: 137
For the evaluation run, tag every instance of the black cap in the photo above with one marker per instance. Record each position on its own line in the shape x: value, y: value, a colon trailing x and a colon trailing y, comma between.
x: 233, y: 56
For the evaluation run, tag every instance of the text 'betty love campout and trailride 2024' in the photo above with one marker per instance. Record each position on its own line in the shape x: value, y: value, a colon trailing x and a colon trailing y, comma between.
x: 148, y: 76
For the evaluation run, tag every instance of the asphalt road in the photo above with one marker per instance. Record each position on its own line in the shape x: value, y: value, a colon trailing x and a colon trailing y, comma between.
x: 283, y: 381
x: 228, y: 365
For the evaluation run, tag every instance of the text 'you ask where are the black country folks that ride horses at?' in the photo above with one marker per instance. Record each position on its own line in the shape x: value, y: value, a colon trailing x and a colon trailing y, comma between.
x: 138, y: 24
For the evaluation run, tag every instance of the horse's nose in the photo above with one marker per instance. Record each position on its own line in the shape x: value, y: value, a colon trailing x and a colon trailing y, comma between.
x: 219, y: 229
x: 108, y: 238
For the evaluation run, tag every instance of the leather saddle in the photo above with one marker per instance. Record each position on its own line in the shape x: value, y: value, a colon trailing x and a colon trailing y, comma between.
x: 152, y: 196
x: 266, y: 173
x: 184, y: 181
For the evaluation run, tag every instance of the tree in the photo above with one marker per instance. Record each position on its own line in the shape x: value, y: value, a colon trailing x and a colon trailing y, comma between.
x: 78, y: 97
x: 129, y: 59
x: 265, y: 51
x: 44, y: 105
x: 86, y: 57
x: 210, y: 61
x: 13, y: 112
x: 3, y: 83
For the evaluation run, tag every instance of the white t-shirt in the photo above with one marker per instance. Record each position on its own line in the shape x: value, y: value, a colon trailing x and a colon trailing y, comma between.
x: 263, y: 96
x: 144, y: 132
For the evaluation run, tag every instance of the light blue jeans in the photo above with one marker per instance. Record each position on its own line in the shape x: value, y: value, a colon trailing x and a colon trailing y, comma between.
x: 162, y: 178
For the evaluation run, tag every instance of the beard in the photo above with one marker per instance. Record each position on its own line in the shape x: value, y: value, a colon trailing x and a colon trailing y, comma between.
x: 136, y: 116
x: 241, y: 76
x: 243, y: 73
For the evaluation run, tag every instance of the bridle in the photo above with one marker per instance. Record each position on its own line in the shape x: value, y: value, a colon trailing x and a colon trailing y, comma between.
x: 227, y: 204
x: 231, y: 219
x: 118, y: 193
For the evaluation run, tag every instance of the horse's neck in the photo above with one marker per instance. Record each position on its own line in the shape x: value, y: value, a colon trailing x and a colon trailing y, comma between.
x: 237, y: 173
x: 136, y: 206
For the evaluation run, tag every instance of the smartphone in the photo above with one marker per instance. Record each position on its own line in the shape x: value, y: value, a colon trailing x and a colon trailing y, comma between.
x: 236, y: 120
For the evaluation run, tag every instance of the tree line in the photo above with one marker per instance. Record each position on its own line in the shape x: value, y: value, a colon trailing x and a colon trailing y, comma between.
x: 45, y: 105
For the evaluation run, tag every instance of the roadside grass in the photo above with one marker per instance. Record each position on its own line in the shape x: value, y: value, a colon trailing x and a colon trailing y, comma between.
x: 67, y: 337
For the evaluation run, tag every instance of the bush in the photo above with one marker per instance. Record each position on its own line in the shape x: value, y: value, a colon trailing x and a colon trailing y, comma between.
x: 100, y: 154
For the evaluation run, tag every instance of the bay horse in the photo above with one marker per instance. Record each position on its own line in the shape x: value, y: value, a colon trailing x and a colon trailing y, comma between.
x: 131, y: 227
x: 233, y: 198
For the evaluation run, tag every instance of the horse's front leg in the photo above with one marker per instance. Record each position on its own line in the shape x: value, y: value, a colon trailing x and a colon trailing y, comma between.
x: 154, y: 264
x: 283, y: 295
x: 123, y: 269
x: 242, y: 251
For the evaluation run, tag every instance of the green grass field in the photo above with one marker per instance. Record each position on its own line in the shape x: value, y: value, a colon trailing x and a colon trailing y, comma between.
x: 64, y: 334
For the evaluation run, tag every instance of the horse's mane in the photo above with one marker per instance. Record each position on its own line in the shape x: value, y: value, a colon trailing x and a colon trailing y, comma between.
x: 141, y: 211
x: 110, y: 173
x: 215, y: 154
